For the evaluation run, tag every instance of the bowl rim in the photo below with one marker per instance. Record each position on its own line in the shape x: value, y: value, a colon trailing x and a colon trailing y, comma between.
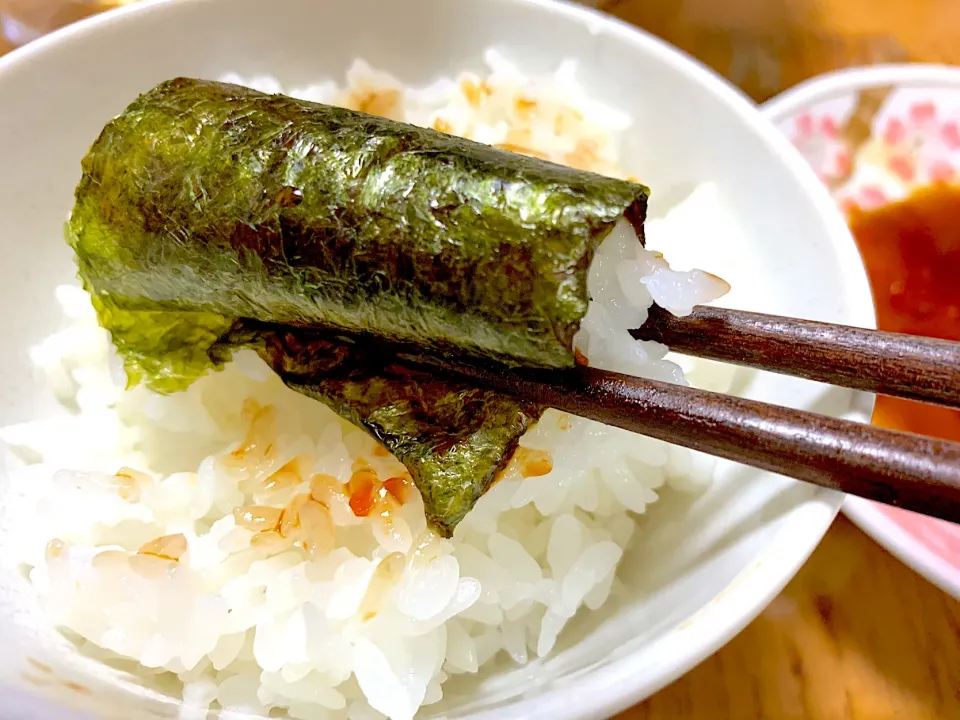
x: 605, y: 691
x: 823, y: 88
x: 837, y: 83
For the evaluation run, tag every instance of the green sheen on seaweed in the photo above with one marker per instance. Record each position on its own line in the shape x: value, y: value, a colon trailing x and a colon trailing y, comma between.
x: 206, y: 208
x: 453, y: 438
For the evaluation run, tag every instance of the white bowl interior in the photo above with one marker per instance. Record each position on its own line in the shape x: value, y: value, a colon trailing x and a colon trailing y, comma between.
x: 698, y: 570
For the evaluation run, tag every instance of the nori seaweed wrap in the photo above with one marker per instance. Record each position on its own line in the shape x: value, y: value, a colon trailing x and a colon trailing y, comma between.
x: 211, y: 217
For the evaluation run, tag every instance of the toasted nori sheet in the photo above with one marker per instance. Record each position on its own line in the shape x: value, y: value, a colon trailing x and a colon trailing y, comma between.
x: 452, y: 437
x: 207, y: 211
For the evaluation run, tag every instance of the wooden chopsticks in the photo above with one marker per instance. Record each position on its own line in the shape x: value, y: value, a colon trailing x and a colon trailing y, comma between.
x: 908, y: 366
x: 910, y: 471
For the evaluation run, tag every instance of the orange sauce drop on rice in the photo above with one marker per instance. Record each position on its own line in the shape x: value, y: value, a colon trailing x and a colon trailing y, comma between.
x: 533, y: 463
x: 399, y: 488
x: 363, y: 492
x: 167, y: 547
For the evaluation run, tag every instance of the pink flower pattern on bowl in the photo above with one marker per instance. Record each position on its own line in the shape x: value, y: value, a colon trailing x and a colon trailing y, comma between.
x: 818, y: 139
x: 919, y: 145
x: 864, y: 197
x: 913, y: 143
x: 939, y: 537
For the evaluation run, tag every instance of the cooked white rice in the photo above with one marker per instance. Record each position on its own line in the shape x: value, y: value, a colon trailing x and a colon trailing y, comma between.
x: 165, y: 543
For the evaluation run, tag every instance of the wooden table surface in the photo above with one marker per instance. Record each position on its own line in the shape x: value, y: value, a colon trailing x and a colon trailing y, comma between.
x: 856, y: 635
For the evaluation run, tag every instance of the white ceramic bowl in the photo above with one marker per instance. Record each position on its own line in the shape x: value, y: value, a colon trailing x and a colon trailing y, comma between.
x: 917, y: 122
x: 698, y: 572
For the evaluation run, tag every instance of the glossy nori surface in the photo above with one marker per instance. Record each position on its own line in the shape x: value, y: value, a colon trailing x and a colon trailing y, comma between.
x: 453, y: 438
x: 207, y: 208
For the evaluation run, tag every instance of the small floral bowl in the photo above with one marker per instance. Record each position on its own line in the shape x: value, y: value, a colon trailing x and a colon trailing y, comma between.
x: 874, y: 135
